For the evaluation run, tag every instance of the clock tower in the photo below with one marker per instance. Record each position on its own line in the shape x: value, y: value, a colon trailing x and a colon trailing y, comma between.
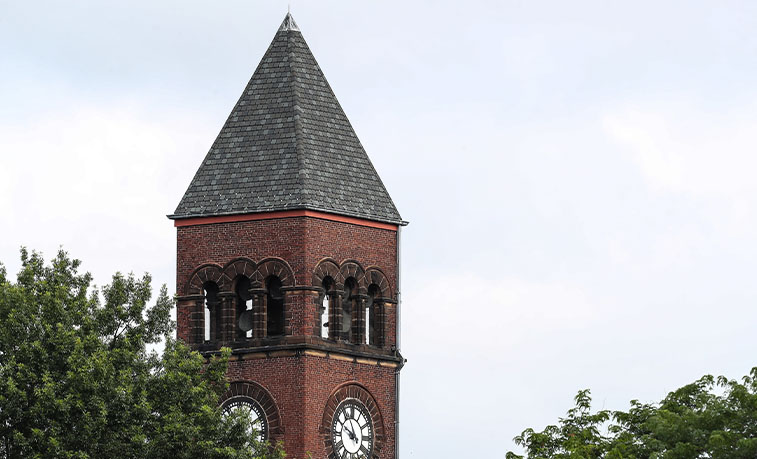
x: 288, y: 253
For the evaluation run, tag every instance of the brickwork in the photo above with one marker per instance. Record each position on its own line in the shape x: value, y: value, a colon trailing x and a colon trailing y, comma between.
x: 283, y: 378
x: 303, y: 387
x: 329, y: 379
x: 300, y: 372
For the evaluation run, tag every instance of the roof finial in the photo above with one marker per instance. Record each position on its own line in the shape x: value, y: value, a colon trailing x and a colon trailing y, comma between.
x: 288, y: 23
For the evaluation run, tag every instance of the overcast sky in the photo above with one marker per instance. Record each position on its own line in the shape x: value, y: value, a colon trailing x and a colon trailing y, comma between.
x: 579, y: 178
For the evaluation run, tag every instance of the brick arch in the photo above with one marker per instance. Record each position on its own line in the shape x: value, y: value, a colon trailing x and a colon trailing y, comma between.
x: 374, y: 275
x: 328, y: 267
x: 264, y: 398
x: 275, y: 267
x: 353, y: 390
x: 238, y: 267
x: 351, y: 268
x: 205, y: 273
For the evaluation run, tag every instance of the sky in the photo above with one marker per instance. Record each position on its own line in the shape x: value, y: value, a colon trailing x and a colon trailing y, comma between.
x: 578, y: 178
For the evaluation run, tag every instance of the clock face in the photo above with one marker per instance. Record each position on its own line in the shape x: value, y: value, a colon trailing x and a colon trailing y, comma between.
x: 352, y: 431
x: 248, y: 406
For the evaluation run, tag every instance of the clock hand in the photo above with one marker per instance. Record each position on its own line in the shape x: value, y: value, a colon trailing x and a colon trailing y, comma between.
x: 351, y: 432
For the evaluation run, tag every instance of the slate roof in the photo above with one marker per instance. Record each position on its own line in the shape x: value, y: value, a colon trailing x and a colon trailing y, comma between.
x: 287, y: 144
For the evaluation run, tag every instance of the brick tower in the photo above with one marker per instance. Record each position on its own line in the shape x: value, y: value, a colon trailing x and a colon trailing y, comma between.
x: 287, y: 252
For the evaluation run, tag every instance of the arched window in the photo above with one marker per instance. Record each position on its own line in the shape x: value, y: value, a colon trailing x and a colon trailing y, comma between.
x: 244, y: 308
x: 274, y: 306
x: 372, y: 311
x: 328, y: 287
x: 348, y: 307
x: 212, y: 311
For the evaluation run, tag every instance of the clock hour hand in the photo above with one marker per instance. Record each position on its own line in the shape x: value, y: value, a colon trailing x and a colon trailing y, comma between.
x: 350, y: 431
x: 346, y: 427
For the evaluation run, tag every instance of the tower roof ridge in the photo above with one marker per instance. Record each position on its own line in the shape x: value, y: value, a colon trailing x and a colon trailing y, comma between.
x: 287, y: 144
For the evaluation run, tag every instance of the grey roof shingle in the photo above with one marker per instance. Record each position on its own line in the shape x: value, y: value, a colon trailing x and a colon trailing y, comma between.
x: 287, y: 144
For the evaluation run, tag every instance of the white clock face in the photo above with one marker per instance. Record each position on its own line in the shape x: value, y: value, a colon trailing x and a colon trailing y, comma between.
x: 252, y: 408
x: 352, y: 431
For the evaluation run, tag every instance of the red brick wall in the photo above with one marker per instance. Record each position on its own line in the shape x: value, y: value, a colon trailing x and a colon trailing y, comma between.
x: 301, y: 241
x: 324, y: 375
x: 301, y: 387
x: 341, y: 241
x: 283, y: 378
x: 368, y: 246
x: 302, y: 384
x: 220, y: 243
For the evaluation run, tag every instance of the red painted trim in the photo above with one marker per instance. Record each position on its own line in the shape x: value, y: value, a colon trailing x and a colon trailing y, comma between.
x: 282, y: 214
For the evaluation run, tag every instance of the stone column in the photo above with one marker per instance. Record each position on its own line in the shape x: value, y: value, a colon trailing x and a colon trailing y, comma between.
x: 185, y: 317
x: 358, y: 319
x: 380, y: 325
x: 228, y: 317
x: 335, y: 322
x: 197, y: 322
x: 259, y: 314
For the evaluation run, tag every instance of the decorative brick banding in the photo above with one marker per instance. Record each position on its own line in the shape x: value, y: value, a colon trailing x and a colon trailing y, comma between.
x: 374, y: 275
x: 277, y: 267
x: 351, y: 268
x: 205, y: 273
x: 241, y: 266
x: 328, y: 267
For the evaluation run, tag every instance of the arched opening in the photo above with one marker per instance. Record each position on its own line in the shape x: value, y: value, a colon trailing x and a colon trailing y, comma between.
x: 258, y: 403
x: 328, y: 287
x: 252, y: 410
x: 348, y: 307
x: 372, y: 314
x: 244, y: 308
x: 212, y: 311
x: 274, y: 307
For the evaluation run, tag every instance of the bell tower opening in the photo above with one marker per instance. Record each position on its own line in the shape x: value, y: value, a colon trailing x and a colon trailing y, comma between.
x: 349, y: 309
x: 212, y: 311
x: 328, y: 295
x: 372, y: 306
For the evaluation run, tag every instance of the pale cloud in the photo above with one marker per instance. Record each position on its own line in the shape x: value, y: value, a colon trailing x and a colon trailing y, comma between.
x: 648, y: 139
x: 500, y: 312
x: 681, y: 147
x: 98, y: 180
x: 99, y: 156
x: 485, y: 342
x: 561, y: 236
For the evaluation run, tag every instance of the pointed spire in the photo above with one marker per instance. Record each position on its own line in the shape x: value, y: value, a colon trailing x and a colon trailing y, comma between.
x: 288, y: 24
x: 287, y: 144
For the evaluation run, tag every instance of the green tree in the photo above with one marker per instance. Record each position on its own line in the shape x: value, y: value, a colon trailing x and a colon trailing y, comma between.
x: 77, y: 379
x: 709, y: 418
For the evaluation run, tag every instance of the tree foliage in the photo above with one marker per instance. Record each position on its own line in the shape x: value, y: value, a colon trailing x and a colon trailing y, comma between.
x: 77, y: 379
x: 709, y: 418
